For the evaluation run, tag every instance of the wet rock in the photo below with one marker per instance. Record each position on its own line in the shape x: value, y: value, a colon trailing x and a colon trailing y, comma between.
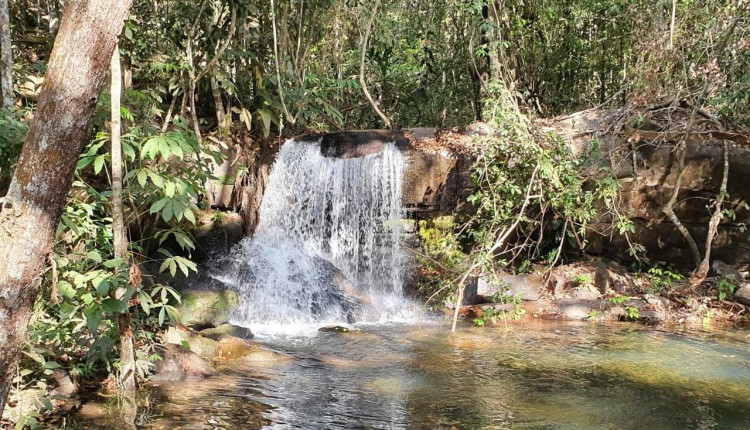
x: 227, y: 329
x: 233, y: 349
x: 335, y: 329
x: 207, y: 308
x: 203, y: 346
x: 179, y: 363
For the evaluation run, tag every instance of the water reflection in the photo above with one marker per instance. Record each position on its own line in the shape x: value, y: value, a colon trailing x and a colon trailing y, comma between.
x: 532, y: 376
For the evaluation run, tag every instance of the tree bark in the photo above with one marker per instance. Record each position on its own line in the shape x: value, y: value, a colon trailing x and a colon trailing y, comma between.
x: 31, y: 210
x: 6, y: 58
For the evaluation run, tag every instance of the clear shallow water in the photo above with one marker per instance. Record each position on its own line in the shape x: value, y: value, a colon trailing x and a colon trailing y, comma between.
x: 536, y: 375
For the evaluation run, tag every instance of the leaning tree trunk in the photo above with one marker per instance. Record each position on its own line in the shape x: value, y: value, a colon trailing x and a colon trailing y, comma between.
x: 6, y: 58
x: 31, y: 210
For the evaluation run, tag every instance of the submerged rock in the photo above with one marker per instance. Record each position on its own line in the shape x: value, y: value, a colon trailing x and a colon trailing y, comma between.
x: 207, y: 308
x: 335, y: 329
x: 178, y: 363
x: 234, y: 349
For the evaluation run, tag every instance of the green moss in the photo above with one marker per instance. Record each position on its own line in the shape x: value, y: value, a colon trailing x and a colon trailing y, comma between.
x: 207, y: 308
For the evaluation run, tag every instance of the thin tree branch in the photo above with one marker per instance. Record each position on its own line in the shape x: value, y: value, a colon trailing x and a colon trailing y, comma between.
x: 362, y: 82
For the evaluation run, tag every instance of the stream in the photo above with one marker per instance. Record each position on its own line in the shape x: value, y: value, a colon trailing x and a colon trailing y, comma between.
x: 530, y: 375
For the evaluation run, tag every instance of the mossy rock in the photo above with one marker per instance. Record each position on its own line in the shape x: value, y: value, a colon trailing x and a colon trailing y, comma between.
x: 205, y: 309
x: 206, y: 348
x: 216, y: 333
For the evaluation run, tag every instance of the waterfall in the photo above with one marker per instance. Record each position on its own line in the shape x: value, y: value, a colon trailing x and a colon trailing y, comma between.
x: 327, y: 248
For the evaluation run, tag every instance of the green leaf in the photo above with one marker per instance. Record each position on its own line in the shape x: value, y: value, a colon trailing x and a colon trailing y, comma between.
x: 98, y: 164
x: 265, y: 116
x: 128, y: 150
x: 114, y: 306
x: 168, y: 211
x: 101, y: 283
x: 52, y: 365
x: 164, y: 265
x: 93, y: 317
x: 189, y: 215
x: 83, y: 162
x: 169, y: 189
x: 65, y: 289
x: 142, y: 177
x: 145, y: 302
x: 159, y: 205
x: 115, y: 262
x: 155, y: 178
x: 94, y: 256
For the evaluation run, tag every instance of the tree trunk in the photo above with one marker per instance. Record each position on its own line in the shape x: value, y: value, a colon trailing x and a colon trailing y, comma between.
x: 221, y: 123
x: 127, y: 353
x: 31, y: 210
x: 6, y: 58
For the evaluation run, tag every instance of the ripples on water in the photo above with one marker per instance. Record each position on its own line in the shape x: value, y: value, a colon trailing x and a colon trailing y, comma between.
x: 532, y: 376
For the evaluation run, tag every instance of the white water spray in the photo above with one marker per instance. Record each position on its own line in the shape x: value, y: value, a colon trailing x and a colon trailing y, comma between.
x: 328, y: 241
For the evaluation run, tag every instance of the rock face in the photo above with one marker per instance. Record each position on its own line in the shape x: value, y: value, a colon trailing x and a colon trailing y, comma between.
x: 642, y: 160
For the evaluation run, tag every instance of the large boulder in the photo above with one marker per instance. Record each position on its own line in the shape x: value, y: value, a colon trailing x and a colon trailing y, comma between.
x: 207, y: 308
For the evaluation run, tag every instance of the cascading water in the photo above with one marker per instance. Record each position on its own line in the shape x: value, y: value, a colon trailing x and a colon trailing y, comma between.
x: 327, y: 248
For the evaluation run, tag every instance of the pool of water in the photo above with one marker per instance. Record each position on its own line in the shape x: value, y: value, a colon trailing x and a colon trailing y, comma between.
x: 530, y: 375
